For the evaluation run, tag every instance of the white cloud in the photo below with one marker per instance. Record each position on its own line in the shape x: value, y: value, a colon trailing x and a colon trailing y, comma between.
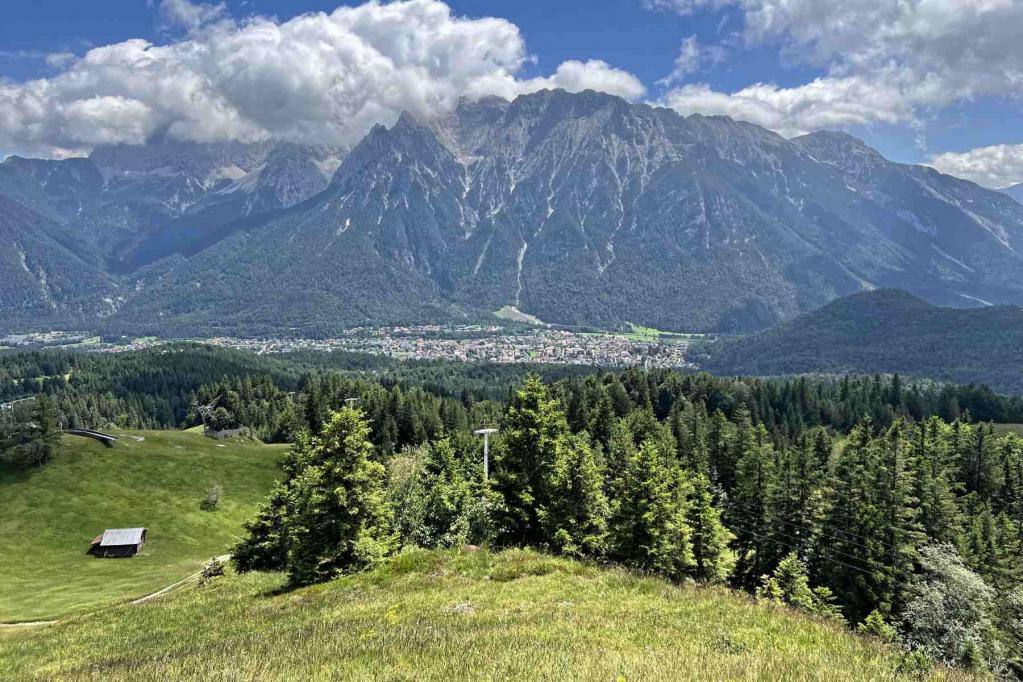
x: 820, y: 104
x: 191, y: 15
x: 692, y: 56
x: 595, y: 74
x: 997, y: 166
x: 324, y: 78
x: 881, y: 61
x: 59, y: 60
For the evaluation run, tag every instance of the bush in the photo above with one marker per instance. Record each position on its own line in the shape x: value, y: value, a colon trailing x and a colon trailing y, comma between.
x: 214, y: 568
x: 876, y: 626
x: 948, y: 612
x: 790, y: 585
x: 212, y: 500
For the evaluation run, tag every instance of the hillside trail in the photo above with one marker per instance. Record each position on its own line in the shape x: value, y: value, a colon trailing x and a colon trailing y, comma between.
x: 134, y: 602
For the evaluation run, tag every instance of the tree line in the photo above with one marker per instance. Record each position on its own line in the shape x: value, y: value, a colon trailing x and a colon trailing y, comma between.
x: 886, y: 525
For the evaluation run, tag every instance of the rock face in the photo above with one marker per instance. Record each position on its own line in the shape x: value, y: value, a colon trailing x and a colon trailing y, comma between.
x: 576, y: 208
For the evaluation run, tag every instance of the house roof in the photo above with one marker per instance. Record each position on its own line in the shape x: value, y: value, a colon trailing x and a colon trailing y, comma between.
x: 121, y: 536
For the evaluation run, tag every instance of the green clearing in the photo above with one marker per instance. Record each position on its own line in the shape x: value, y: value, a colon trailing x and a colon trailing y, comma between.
x: 643, y: 334
x: 513, y: 314
x: 1009, y: 428
x: 448, y: 616
x: 48, y: 517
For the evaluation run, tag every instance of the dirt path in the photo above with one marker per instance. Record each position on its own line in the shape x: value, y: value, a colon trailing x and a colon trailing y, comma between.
x: 134, y: 602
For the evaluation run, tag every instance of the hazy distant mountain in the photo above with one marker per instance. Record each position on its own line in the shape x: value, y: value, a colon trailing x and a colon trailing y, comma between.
x: 128, y: 201
x: 576, y: 208
x: 1016, y: 192
x: 885, y: 331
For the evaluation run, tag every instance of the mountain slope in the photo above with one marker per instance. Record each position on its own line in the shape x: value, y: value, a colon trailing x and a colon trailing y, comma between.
x: 138, y: 204
x: 885, y: 331
x: 1016, y: 192
x: 576, y: 208
x: 583, y: 208
x: 514, y: 615
x: 44, y: 274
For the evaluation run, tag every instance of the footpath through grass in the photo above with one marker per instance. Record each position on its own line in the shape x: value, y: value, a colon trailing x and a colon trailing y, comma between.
x: 48, y: 516
x: 448, y: 616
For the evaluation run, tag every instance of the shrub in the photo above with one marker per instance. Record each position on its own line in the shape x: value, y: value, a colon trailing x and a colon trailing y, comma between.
x: 948, y: 612
x: 212, y: 500
x: 876, y: 626
x: 789, y: 585
x: 214, y: 568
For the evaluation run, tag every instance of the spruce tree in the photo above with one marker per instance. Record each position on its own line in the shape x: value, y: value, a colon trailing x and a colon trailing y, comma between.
x: 750, y: 512
x: 534, y: 429
x: 574, y: 518
x: 338, y: 513
x: 710, y: 538
x: 649, y: 529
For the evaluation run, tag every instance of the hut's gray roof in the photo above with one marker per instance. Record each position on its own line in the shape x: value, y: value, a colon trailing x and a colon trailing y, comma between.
x: 121, y: 536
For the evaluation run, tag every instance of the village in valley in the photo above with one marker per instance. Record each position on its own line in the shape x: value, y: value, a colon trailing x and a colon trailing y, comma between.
x: 458, y: 343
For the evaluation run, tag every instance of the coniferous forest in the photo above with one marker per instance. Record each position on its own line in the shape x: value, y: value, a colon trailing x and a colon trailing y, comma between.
x: 894, y: 506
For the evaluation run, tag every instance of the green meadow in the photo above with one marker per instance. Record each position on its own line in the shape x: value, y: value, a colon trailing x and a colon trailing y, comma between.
x: 155, y: 479
x: 445, y: 616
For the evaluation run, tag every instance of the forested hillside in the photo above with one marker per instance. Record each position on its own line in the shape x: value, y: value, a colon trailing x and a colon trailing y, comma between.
x: 884, y: 331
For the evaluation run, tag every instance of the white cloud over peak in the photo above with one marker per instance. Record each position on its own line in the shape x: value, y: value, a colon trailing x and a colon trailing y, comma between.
x: 883, y: 61
x: 576, y: 76
x: 324, y: 78
x: 997, y: 166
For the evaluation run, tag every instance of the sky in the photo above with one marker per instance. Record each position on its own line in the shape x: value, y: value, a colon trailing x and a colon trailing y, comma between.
x: 923, y: 81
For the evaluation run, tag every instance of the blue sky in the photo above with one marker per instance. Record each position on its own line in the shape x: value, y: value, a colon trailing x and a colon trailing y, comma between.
x: 933, y: 81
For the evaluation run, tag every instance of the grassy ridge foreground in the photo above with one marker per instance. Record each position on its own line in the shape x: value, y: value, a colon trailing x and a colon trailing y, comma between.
x: 447, y: 616
x: 48, y: 516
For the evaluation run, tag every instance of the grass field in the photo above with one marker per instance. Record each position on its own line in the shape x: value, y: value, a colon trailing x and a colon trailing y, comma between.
x: 48, y: 516
x: 1010, y: 428
x: 513, y: 314
x: 447, y: 616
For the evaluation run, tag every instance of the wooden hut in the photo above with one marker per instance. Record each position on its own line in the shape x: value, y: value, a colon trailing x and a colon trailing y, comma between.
x: 118, y: 542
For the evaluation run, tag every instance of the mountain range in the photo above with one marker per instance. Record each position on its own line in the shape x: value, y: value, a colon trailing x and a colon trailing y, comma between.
x: 579, y: 209
x: 885, y: 331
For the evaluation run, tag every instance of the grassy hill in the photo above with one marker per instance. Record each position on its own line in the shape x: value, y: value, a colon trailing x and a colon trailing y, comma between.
x: 885, y: 331
x: 448, y: 616
x: 154, y: 479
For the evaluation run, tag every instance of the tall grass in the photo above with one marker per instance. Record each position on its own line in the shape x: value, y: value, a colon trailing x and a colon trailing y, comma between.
x: 448, y: 616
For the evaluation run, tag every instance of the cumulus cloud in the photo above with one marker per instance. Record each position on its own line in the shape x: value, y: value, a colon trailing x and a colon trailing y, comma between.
x: 821, y: 104
x: 322, y: 78
x: 997, y: 166
x: 595, y: 74
x: 901, y: 58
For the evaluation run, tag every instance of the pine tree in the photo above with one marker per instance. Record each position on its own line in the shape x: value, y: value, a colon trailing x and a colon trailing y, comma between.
x: 574, y: 519
x: 710, y: 538
x: 649, y: 528
x: 338, y: 514
x: 265, y: 547
x: 750, y: 514
x: 534, y: 429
